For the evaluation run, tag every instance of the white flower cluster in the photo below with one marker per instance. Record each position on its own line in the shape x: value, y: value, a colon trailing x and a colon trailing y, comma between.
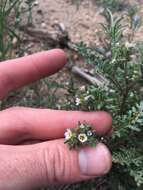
x: 81, y: 136
x: 78, y: 101
x: 129, y: 45
x: 68, y: 134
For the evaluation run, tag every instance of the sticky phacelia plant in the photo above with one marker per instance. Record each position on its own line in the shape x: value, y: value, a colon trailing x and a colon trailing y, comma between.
x: 120, y: 61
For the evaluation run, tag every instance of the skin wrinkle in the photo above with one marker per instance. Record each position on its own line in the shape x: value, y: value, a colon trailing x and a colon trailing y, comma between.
x: 6, y: 81
x: 57, y: 164
x: 26, y: 125
x: 61, y: 169
x: 59, y: 160
x: 20, y: 133
x: 45, y: 157
x: 66, y: 165
x: 71, y: 165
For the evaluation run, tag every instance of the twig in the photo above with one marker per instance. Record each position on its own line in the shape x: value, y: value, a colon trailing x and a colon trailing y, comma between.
x: 56, y: 38
x: 124, y: 99
x: 116, y: 83
x: 98, y: 79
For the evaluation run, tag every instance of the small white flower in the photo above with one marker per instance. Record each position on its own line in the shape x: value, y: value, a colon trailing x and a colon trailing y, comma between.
x: 82, y: 126
x: 133, y: 57
x: 136, y: 18
x: 113, y: 60
x: 43, y: 25
x: 36, y: 3
x: 111, y: 91
x: 131, y: 94
x: 117, y: 44
x: 67, y: 83
x: 82, y: 137
x: 68, y: 134
x: 89, y: 133
x: 82, y: 88
x: 87, y: 97
x: 135, y: 72
x: 102, y: 138
x: 58, y: 106
x: 129, y: 45
x: 78, y: 101
x: 133, y: 77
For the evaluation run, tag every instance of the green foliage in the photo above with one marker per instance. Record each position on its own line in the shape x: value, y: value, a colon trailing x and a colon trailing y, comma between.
x: 30, y: 4
x: 134, y: 17
x: 120, y: 61
x: 11, y: 12
x: 32, y: 96
x: 8, y: 8
x: 113, y: 28
x: 132, y: 160
x: 114, y: 5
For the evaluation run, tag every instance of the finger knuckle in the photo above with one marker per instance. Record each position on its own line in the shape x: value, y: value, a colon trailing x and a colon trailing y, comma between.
x: 56, y: 164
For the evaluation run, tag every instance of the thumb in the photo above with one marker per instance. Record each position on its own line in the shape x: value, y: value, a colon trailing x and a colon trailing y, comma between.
x: 34, y: 166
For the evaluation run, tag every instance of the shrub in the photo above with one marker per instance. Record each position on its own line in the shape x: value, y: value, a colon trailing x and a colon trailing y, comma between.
x: 120, y: 62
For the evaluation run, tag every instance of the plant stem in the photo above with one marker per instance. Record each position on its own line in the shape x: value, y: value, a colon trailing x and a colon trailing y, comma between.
x: 124, y: 99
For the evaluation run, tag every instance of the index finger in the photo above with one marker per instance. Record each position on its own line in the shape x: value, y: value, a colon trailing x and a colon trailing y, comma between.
x: 18, y: 124
x: 19, y: 72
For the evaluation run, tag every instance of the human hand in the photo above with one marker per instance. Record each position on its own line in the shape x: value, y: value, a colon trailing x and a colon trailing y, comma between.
x: 24, y: 167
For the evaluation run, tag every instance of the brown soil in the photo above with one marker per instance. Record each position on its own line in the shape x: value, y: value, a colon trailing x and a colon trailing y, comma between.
x: 81, y: 22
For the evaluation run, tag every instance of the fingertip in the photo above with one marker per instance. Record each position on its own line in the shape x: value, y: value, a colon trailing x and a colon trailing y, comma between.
x: 105, y: 152
x: 48, y: 62
x: 60, y: 55
x: 104, y: 122
x: 95, y: 161
x: 29, y: 69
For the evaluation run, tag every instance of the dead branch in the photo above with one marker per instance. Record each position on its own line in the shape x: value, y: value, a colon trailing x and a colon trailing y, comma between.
x: 53, y: 38
x: 98, y: 79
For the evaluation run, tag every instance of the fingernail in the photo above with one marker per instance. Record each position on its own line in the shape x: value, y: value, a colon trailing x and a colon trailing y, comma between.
x: 95, y: 161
